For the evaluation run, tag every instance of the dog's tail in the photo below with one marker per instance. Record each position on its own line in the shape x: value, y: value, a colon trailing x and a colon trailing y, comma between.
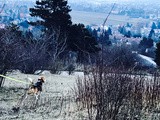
x: 30, y: 80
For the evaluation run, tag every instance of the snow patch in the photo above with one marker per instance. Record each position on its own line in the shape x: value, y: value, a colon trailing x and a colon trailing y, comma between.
x: 147, y: 61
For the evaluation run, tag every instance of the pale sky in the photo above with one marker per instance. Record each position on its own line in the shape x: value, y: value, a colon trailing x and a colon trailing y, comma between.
x: 101, y: 0
x: 109, y: 1
x: 118, y: 1
x: 79, y: 0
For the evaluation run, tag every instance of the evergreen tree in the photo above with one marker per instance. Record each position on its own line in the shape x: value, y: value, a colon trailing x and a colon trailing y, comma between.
x: 81, y: 41
x: 56, y: 20
x: 129, y: 34
x: 150, y: 43
x: 121, y: 29
x: 109, y: 31
x: 105, y: 38
x: 54, y: 14
x: 143, y: 41
x: 154, y: 25
x: 55, y: 17
x: 79, y: 37
x: 95, y: 34
x: 128, y: 24
x: 146, y: 43
x: 151, y: 34
x: 158, y: 26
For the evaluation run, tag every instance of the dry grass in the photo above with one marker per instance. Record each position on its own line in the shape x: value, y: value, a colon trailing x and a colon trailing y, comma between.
x: 107, y: 95
x: 57, y: 101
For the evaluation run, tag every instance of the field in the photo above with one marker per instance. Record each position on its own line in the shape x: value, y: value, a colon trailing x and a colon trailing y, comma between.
x: 57, y: 101
x: 88, y: 18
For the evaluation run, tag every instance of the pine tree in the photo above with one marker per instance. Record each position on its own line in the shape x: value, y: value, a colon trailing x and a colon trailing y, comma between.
x: 81, y: 41
x: 95, y: 34
x: 151, y: 34
x: 54, y: 14
x: 154, y: 25
x: 77, y: 38
x: 109, y: 31
x: 146, y: 43
x: 158, y: 26
x: 54, y: 17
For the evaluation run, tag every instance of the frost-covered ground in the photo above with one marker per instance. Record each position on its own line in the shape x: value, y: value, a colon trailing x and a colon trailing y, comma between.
x: 57, y: 101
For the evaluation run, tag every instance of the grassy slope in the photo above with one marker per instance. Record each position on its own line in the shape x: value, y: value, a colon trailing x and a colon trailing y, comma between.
x: 56, y: 89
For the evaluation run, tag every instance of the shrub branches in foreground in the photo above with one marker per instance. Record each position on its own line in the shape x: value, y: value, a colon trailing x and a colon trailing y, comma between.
x: 119, y: 96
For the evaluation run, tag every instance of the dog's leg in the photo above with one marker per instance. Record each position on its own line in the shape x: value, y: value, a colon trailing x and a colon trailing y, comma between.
x: 36, y: 99
x: 23, y: 99
x: 37, y: 96
x: 26, y: 96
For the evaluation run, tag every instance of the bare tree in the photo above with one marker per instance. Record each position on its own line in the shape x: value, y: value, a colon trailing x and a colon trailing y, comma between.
x: 35, y: 53
x: 55, y: 47
x: 11, y: 51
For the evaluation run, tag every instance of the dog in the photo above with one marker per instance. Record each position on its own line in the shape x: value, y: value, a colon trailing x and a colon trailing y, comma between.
x: 35, y: 89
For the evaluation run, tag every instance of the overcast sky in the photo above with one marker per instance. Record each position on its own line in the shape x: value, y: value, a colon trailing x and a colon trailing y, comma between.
x: 100, y: 1
x: 117, y: 1
x: 77, y: 0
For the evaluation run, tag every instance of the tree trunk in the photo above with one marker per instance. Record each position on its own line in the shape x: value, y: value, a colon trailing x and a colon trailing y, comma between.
x: 2, y: 72
x: 1, y: 81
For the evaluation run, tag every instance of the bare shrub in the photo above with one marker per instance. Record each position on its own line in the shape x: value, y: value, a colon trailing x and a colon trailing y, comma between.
x: 56, y: 67
x: 119, y: 56
x: 116, y: 95
x: 85, y: 95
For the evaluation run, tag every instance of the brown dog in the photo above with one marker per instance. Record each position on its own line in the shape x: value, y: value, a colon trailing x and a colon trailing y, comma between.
x: 36, y: 88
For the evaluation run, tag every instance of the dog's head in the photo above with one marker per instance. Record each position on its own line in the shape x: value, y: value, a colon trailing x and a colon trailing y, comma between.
x: 42, y: 79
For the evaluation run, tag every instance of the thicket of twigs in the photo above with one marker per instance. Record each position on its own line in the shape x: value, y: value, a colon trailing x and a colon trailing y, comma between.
x: 116, y: 95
